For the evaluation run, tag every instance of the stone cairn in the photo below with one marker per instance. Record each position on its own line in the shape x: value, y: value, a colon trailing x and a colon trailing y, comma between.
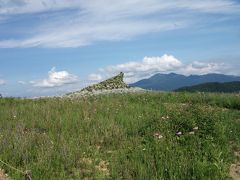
x: 115, y: 82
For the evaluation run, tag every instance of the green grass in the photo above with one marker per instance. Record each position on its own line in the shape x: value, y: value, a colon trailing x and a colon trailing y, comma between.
x: 112, y: 137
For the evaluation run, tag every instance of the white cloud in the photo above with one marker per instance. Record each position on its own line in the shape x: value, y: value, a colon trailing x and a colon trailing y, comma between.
x: 23, y: 6
x: 2, y: 82
x: 204, y: 68
x: 123, y: 7
x: 55, y: 79
x: 136, y: 70
x: 81, y: 22
x: 95, y: 77
x: 22, y: 82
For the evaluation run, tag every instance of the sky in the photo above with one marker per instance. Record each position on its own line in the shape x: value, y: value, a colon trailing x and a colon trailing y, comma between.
x: 50, y: 47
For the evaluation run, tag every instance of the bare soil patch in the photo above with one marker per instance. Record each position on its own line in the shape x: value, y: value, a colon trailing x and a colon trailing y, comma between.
x: 235, y: 171
x: 3, y: 176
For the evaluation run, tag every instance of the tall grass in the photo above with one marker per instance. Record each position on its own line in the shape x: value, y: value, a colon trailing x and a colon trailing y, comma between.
x: 112, y: 136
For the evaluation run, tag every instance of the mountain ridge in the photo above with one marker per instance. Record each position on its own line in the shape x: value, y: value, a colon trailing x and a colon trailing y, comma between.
x: 172, y: 81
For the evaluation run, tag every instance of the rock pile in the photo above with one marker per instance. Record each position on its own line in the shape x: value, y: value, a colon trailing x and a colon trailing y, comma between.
x: 110, y: 86
x: 115, y: 82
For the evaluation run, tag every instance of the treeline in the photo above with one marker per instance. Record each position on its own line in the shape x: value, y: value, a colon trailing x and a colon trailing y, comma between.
x: 227, y: 87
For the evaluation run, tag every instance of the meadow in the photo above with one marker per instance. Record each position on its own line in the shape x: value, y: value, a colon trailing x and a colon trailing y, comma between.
x: 121, y: 136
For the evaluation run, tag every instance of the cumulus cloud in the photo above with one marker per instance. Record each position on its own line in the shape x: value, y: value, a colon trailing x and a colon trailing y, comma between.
x: 204, y: 68
x: 136, y: 70
x: 55, y: 79
x: 76, y: 23
x: 2, y: 82
x: 95, y: 77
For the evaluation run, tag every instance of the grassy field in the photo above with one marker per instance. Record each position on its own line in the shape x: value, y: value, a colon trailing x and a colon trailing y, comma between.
x: 128, y: 136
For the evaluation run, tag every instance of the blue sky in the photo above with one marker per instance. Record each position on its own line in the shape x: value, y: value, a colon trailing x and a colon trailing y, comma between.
x: 50, y: 47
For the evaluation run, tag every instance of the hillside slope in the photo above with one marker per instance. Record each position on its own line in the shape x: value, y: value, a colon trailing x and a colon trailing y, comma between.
x: 121, y: 136
x: 172, y: 81
x: 228, y: 87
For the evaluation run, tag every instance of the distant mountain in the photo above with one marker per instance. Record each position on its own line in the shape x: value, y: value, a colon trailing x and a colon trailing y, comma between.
x: 227, y: 87
x: 172, y: 81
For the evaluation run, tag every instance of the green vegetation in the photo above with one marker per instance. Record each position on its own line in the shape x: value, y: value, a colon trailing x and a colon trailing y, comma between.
x: 121, y: 136
x: 227, y: 87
